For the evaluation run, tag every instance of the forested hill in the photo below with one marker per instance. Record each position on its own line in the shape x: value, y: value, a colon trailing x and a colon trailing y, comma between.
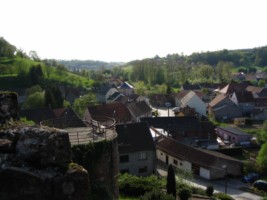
x: 75, y: 65
x: 240, y: 57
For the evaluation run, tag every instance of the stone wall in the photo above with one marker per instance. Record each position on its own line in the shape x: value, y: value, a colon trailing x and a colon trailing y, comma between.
x: 36, y: 163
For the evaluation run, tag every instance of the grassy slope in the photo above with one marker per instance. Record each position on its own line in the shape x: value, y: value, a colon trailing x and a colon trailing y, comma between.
x: 11, y: 67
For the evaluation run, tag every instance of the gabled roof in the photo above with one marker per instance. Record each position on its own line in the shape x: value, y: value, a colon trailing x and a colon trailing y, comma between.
x: 254, y: 89
x: 217, y: 100
x: 234, y: 87
x: 182, y: 94
x: 125, y: 85
x: 188, y: 97
x: 134, y: 137
x: 196, y: 156
x: 114, y: 110
x: 114, y: 96
x: 244, y: 97
x: 139, y: 108
x: 174, y: 124
x: 232, y: 130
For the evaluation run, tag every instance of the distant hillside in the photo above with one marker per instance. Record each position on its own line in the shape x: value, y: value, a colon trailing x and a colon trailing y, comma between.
x: 75, y: 65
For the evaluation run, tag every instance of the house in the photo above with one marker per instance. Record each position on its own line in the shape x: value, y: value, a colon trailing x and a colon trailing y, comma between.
x: 232, y: 87
x: 222, y: 108
x: 184, y: 128
x: 139, y: 109
x: 116, y: 96
x: 61, y: 117
x: 233, y: 135
x: 126, y: 89
x: 204, y: 163
x: 136, y: 148
x: 192, y: 100
x: 117, y: 111
x: 260, y: 110
x: 101, y: 92
x: 244, y: 99
x: 257, y: 91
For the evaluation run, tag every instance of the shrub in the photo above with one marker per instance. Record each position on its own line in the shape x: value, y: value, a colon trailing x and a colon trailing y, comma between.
x: 130, y: 185
x: 185, y: 193
x: 157, y: 195
x: 209, y: 190
x: 222, y: 196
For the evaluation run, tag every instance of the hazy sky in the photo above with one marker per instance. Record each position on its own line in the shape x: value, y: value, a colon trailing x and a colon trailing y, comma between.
x: 124, y: 30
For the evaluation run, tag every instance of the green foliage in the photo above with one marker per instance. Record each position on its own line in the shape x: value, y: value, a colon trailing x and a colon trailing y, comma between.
x: 157, y: 195
x: 83, y: 102
x: 262, y: 135
x: 53, y: 97
x: 171, y: 182
x: 209, y: 190
x: 24, y: 120
x: 262, y: 158
x: 130, y: 185
x: 34, y: 100
x: 222, y: 196
x: 185, y: 193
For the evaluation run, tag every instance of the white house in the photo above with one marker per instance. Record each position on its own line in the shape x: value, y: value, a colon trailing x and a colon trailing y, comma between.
x: 192, y: 100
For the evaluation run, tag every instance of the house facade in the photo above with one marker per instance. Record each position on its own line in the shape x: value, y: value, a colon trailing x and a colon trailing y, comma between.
x: 136, y: 148
x: 139, y: 109
x: 233, y: 135
x: 204, y: 163
x: 192, y: 100
x: 222, y: 108
x: 126, y: 89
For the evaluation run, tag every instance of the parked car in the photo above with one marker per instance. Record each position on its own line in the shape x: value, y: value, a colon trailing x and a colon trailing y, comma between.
x: 250, y: 177
x: 260, y: 185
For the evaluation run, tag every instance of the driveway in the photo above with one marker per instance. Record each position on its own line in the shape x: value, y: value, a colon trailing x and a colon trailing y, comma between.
x: 234, y: 185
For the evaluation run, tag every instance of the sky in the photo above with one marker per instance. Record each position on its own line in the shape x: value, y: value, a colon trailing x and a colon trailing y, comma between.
x: 126, y: 30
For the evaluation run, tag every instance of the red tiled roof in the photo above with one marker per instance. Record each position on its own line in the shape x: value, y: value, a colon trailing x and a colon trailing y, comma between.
x: 118, y: 111
x: 254, y: 89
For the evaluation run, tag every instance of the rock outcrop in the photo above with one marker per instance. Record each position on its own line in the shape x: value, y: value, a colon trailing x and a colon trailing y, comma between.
x: 35, y: 163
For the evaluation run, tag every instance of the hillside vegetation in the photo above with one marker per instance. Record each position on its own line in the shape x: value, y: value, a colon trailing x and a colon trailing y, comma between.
x: 20, y: 70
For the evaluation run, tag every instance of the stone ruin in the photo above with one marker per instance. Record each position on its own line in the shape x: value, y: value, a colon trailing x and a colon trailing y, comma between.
x: 35, y: 162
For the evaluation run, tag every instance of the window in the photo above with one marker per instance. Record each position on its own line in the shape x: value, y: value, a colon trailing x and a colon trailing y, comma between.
x: 175, y: 162
x: 142, y: 156
x: 143, y: 169
x: 124, y: 158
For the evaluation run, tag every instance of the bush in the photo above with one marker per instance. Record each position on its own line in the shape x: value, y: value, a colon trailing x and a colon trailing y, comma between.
x: 222, y: 196
x: 130, y: 185
x: 210, y: 190
x: 185, y: 193
x: 157, y: 195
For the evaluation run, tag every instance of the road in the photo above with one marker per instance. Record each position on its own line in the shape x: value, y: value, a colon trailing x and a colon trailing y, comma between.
x: 233, y: 185
x: 163, y: 111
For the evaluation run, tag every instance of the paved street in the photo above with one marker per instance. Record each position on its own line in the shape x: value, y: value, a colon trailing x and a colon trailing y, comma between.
x: 163, y: 111
x: 233, y: 185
